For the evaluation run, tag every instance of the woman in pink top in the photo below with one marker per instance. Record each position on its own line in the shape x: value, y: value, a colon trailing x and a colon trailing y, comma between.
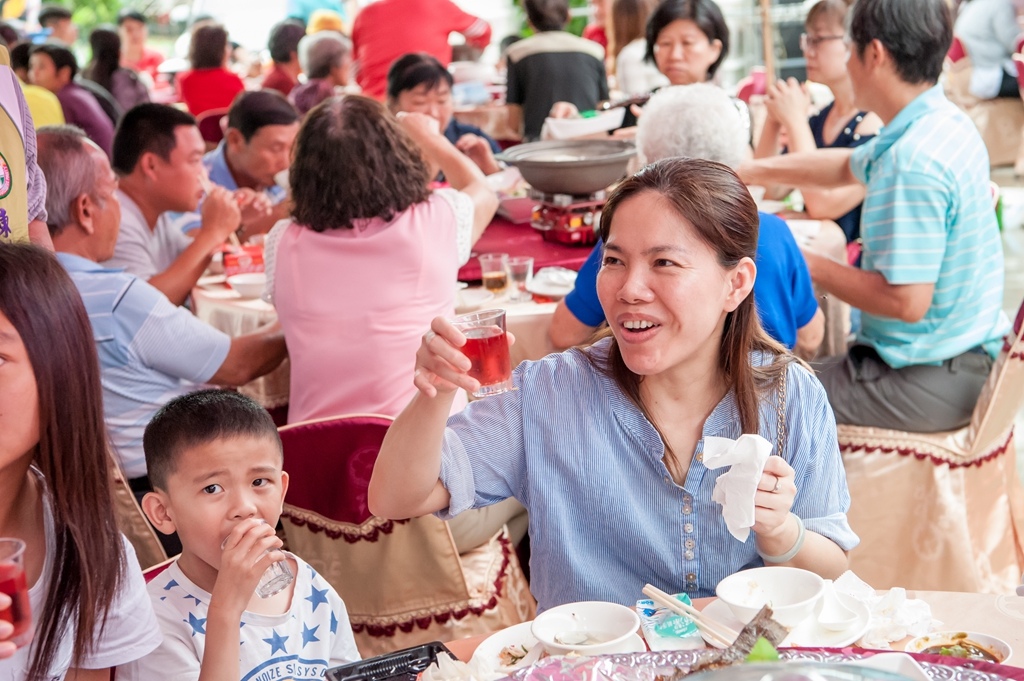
x: 372, y: 254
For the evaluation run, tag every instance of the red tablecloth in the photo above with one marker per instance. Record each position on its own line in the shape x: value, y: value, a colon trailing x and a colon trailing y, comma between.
x: 503, y: 236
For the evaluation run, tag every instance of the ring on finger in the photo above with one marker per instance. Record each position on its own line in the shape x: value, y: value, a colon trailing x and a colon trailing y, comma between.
x: 778, y: 481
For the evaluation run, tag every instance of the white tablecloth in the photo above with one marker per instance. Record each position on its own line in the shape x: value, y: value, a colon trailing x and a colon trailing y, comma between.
x: 222, y: 308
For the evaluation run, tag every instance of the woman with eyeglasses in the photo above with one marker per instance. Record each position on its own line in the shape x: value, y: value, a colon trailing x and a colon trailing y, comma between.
x: 839, y: 124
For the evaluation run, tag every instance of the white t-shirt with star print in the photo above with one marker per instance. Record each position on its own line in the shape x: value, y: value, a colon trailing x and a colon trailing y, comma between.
x: 299, y: 645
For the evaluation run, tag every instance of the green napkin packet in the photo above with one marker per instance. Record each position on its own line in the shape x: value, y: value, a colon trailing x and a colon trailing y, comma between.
x: 666, y: 630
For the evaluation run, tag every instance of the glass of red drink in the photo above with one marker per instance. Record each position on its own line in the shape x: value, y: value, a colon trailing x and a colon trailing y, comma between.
x: 13, y: 583
x: 487, y: 348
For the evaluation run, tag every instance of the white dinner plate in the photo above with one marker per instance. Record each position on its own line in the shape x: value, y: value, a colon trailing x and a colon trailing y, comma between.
x: 552, y: 291
x: 809, y: 633
x: 771, y: 207
x: 488, y: 652
x: 470, y: 299
x: 804, y: 230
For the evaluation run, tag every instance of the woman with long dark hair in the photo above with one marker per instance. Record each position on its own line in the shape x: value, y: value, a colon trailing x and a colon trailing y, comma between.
x: 89, y: 605
x: 106, y: 71
x: 605, y: 445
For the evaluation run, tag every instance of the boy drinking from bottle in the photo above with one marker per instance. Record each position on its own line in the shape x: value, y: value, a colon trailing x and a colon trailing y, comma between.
x: 233, y: 605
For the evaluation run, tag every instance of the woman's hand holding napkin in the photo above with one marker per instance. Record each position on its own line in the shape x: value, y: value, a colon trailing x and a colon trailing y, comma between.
x: 757, y: 491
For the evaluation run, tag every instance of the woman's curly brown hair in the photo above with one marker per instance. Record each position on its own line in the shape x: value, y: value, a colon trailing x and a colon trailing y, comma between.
x: 353, y: 161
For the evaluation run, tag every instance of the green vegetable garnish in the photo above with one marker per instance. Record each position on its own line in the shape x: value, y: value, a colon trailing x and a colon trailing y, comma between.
x: 763, y: 651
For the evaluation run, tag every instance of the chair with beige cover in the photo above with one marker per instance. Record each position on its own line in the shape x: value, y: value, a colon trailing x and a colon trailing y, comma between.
x: 132, y: 521
x: 1000, y: 121
x: 943, y: 511
x: 403, y: 582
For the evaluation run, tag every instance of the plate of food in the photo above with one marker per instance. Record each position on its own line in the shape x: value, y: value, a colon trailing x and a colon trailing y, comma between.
x: 809, y: 633
x: 509, y: 649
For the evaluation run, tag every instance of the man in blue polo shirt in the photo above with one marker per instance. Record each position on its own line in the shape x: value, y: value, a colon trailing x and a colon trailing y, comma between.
x: 150, y: 350
x: 257, y: 145
x: 931, y: 283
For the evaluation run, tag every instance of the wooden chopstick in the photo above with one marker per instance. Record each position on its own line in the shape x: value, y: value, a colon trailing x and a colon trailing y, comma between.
x: 716, y: 630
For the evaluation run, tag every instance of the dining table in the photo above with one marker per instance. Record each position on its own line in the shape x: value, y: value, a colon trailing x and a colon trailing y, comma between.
x: 998, y: 615
x: 520, y: 239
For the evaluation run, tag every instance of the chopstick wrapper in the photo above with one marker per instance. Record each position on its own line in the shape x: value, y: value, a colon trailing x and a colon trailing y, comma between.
x: 735, y: 488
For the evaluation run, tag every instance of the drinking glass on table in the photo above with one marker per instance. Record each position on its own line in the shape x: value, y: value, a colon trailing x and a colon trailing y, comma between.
x: 14, y: 584
x: 520, y: 272
x: 494, y: 269
x: 487, y: 348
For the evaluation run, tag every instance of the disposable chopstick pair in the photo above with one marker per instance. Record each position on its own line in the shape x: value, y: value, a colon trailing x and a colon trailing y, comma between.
x: 716, y: 630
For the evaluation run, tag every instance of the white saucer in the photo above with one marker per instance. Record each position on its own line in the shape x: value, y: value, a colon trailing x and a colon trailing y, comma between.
x: 487, y: 652
x: 471, y: 299
x: 809, y: 633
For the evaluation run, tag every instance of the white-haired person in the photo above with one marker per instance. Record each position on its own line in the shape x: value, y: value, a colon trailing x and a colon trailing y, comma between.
x: 840, y: 124
x: 606, y: 445
x: 326, y: 59
x: 701, y: 121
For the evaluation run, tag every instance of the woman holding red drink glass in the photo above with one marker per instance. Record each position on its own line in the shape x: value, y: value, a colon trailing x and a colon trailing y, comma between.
x: 88, y: 609
x: 604, y: 444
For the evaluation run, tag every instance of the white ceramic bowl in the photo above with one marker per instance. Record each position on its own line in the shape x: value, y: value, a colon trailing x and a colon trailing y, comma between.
x: 249, y: 284
x: 998, y: 648
x: 791, y: 592
x: 587, y: 628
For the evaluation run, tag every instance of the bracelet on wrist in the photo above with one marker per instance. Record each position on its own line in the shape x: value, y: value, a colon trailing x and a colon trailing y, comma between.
x: 788, y: 555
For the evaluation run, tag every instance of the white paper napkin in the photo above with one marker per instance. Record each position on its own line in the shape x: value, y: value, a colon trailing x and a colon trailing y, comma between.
x: 893, y: 615
x: 735, y: 488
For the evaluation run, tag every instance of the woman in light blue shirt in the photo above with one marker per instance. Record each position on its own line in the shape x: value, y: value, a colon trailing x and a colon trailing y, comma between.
x: 604, y: 445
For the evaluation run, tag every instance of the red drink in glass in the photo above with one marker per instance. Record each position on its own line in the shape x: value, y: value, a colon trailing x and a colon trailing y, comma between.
x: 487, y: 348
x: 14, y: 584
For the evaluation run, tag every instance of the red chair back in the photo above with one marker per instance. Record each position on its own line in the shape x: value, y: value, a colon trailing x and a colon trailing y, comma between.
x: 209, y: 124
x: 152, y: 573
x: 334, y: 482
x: 956, y: 51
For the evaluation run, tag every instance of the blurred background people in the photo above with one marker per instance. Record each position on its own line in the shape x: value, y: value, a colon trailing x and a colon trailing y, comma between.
x: 284, y: 52
x: 326, y: 59
x: 43, y: 104
x: 634, y: 74
x: 688, y: 40
x: 840, y: 124
x: 387, y: 29
x: 988, y: 30
x: 106, y: 71
x: 209, y: 84
x: 418, y: 82
x: 551, y: 66
x: 597, y: 28
x: 54, y: 67
x: 57, y: 20
x: 136, y: 54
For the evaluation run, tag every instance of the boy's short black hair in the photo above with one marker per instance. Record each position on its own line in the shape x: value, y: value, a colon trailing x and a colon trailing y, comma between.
x: 20, y: 55
x: 284, y: 40
x: 547, y: 15
x: 193, y: 420
x: 411, y: 70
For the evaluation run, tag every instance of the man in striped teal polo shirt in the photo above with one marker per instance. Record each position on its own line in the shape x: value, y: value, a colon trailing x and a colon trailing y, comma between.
x: 931, y: 279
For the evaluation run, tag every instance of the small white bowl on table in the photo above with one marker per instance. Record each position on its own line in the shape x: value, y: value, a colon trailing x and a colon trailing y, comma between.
x: 248, y: 284
x: 792, y: 593
x: 607, y: 625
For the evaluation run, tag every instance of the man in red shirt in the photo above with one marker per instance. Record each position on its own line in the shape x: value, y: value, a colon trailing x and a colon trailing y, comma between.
x: 387, y: 29
x: 135, y: 54
x: 284, y: 50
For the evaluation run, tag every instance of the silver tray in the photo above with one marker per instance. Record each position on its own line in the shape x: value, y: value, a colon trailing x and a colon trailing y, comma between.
x: 650, y: 666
